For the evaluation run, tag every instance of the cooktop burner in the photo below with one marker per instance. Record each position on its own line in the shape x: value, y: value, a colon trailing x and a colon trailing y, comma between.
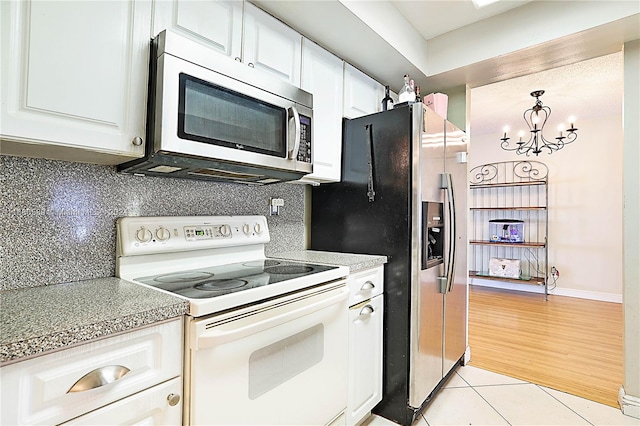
x: 266, y: 263
x: 288, y: 269
x: 224, y: 279
x: 182, y: 277
x: 221, y: 285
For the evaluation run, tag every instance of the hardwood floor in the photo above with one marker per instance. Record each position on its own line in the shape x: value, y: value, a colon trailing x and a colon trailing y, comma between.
x: 569, y: 344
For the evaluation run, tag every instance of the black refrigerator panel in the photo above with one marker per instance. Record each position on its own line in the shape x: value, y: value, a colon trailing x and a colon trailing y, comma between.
x: 369, y: 213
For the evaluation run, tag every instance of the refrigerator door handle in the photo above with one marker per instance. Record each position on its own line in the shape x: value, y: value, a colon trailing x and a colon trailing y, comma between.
x: 370, y: 191
x: 454, y: 232
x: 446, y: 183
x: 442, y: 285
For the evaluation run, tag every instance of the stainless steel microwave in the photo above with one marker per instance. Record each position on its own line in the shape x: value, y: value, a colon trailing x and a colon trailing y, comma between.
x: 210, y: 118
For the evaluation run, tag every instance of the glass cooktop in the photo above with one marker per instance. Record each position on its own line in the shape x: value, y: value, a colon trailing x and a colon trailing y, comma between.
x: 220, y: 280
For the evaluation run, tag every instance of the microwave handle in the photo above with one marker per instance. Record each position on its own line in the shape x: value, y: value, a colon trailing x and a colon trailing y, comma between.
x: 292, y: 152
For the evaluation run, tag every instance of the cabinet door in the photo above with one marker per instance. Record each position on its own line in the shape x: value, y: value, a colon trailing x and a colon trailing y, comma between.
x: 362, y: 94
x: 74, y: 79
x: 62, y: 385
x: 365, y: 358
x: 322, y: 77
x: 271, y: 46
x: 215, y: 23
x: 151, y: 407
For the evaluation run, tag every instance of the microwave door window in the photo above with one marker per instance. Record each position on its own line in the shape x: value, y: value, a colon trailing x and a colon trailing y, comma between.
x: 212, y: 114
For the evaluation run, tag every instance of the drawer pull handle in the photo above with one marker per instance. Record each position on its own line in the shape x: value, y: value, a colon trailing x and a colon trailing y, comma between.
x: 99, y: 377
x: 173, y: 399
x: 367, y: 286
x: 366, y: 311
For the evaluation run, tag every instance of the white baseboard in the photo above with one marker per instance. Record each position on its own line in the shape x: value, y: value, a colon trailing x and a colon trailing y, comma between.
x: 584, y: 294
x: 629, y: 404
x: 467, y: 355
x: 569, y: 292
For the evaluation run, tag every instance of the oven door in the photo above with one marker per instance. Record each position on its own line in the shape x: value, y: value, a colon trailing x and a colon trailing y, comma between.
x: 281, y: 362
x: 207, y: 114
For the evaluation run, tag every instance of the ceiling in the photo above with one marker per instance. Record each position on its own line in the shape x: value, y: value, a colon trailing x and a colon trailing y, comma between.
x: 575, y: 82
x: 585, y: 90
x: 358, y: 33
x: 432, y: 18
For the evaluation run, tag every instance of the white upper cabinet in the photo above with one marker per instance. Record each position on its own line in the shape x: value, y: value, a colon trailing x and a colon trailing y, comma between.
x: 236, y: 29
x: 217, y: 24
x: 322, y: 77
x: 362, y: 94
x: 271, y: 46
x: 74, y: 79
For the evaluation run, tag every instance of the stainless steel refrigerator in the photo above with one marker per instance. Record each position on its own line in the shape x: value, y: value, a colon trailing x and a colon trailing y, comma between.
x: 403, y: 194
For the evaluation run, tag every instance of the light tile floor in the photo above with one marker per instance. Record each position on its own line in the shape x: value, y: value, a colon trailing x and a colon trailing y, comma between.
x: 479, y: 397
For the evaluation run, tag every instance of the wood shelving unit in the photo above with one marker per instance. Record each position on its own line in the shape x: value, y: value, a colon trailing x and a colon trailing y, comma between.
x: 504, y: 244
x: 509, y: 208
x: 512, y: 190
x: 525, y: 280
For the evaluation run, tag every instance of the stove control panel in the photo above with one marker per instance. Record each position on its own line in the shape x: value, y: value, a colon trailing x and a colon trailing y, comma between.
x: 193, y: 233
x: 152, y: 235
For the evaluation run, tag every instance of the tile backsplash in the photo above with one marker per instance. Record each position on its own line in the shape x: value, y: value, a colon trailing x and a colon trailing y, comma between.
x: 57, y: 219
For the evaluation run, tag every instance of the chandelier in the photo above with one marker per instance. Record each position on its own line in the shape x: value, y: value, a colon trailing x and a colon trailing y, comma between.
x: 536, y: 117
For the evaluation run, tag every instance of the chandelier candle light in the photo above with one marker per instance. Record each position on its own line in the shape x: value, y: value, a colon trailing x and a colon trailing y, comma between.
x: 537, y: 141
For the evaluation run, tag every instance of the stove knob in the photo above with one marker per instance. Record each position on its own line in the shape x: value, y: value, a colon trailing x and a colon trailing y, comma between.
x: 257, y: 228
x: 143, y: 235
x: 246, y: 228
x: 225, y: 230
x: 163, y: 234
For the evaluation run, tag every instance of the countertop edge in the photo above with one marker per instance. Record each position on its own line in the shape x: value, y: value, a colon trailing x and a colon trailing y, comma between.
x: 74, y: 336
x: 354, y: 261
x: 39, y: 320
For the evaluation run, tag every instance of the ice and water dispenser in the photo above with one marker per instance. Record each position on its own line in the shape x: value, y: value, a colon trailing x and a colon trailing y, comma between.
x: 433, y: 234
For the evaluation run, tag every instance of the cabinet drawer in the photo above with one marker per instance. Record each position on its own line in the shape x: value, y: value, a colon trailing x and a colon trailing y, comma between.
x: 150, y: 407
x: 37, y: 391
x: 365, y: 285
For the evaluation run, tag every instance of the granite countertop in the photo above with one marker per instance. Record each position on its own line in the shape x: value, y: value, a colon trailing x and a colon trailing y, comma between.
x: 355, y: 262
x: 39, y: 319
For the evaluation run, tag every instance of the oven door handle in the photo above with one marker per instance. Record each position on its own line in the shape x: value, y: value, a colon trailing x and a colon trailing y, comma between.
x: 228, y: 333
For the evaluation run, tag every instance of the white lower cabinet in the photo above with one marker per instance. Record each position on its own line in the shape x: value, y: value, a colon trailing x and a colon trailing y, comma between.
x: 365, y: 344
x: 139, y: 372
x: 150, y: 407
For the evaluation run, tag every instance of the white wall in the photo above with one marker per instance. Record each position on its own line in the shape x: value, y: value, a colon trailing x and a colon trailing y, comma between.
x: 585, y: 197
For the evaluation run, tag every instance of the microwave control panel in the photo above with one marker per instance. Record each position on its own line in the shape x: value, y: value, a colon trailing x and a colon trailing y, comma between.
x: 304, y: 153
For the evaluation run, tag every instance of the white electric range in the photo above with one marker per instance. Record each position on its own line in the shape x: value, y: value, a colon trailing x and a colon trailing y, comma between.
x: 265, y: 339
